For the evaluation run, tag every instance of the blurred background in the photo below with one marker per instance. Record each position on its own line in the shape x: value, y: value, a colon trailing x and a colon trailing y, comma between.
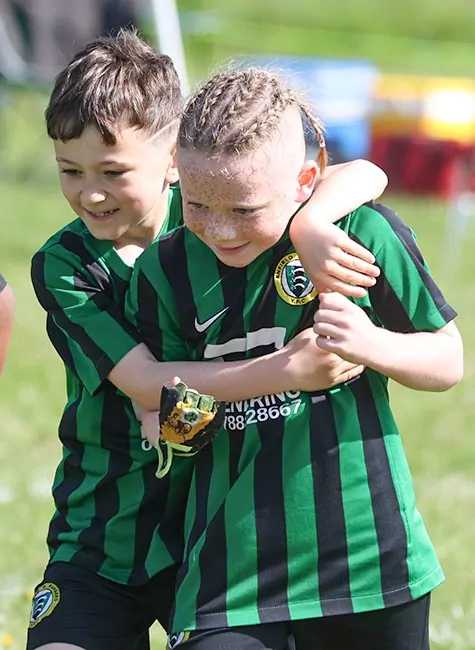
x: 395, y: 83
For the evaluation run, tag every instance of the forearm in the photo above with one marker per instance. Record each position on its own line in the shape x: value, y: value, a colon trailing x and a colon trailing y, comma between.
x: 345, y: 188
x: 430, y: 361
x: 140, y: 376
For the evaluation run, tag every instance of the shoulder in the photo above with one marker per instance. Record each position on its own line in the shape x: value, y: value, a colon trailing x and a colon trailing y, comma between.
x: 376, y: 215
x: 70, y: 252
x: 375, y: 225
x: 73, y: 229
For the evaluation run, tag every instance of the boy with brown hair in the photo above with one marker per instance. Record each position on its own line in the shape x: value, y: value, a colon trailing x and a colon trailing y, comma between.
x: 113, y: 540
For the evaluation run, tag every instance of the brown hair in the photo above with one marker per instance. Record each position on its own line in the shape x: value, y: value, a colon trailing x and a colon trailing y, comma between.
x: 114, y: 79
x: 235, y: 112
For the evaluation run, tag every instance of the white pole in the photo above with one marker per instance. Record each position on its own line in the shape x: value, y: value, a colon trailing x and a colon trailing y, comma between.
x: 169, y: 39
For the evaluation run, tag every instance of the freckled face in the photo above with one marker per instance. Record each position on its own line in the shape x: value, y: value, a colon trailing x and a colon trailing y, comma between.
x: 239, y: 206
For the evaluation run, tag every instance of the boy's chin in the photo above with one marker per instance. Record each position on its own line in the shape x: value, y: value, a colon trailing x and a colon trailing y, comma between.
x: 101, y: 232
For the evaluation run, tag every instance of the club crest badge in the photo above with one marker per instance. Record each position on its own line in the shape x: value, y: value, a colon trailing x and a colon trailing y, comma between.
x: 292, y: 283
x: 174, y: 640
x: 46, y: 598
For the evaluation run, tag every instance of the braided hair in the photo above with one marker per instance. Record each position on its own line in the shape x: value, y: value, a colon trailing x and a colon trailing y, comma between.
x: 235, y: 112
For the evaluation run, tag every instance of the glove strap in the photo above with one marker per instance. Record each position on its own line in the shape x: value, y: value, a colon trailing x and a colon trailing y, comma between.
x: 164, y: 459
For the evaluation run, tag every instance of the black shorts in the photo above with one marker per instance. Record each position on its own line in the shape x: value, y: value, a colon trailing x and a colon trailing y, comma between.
x: 405, y: 627
x: 73, y: 605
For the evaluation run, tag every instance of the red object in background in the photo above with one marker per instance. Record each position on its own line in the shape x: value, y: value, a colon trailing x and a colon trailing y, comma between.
x: 417, y: 165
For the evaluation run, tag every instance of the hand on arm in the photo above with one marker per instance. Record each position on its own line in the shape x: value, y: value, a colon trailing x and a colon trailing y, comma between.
x: 332, y: 260
x: 431, y: 361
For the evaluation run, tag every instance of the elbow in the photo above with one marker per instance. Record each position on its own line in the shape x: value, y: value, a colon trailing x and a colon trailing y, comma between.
x: 453, y: 369
x: 450, y: 358
x: 377, y: 174
x: 454, y: 376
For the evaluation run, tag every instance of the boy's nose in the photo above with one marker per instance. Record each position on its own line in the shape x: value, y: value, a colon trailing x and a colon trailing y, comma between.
x: 219, y: 230
x: 93, y: 195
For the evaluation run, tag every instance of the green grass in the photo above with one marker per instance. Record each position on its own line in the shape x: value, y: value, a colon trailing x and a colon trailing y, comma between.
x: 409, y: 36
x: 437, y: 429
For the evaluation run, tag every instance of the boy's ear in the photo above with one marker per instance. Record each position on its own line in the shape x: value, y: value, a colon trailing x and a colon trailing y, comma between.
x: 172, y: 169
x: 307, y: 178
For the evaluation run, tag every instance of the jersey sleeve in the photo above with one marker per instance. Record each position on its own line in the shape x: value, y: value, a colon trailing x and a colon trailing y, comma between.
x: 3, y: 283
x: 150, y: 307
x: 405, y: 297
x: 85, y: 323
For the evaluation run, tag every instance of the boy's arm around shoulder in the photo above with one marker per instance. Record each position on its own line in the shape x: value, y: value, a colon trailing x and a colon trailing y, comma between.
x: 417, y: 344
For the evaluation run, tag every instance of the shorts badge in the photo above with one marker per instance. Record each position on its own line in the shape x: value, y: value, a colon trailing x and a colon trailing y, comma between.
x: 175, y: 639
x: 46, y: 598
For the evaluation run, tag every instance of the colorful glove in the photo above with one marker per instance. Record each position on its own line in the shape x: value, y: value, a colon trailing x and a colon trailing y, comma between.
x: 188, y: 421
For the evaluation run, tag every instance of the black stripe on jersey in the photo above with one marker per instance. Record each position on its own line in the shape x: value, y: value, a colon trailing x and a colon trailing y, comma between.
x: 210, y: 560
x: 75, y: 244
x: 333, y: 568
x: 147, y: 316
x: 385, y: 302
x: 172, y: 253
x: 115, y: 438
x: 273, y: 576
x: 213, y: 570
x: 202, y: 479
x: 121, y: 287
x: 233, y: 287
x: 3, y: 283
x: 390, y: 529
x: 263, y: 313
x: 389, y: 309
x: 56, y: 336
x: 151, y: 511
x: 60, y: 343
x: 405, y: 235
x: 73, y: 474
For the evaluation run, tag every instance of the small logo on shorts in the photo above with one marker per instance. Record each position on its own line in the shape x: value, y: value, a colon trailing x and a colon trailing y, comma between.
x: 174, y: 640
x: 44, y: 601
x: 292, y: 283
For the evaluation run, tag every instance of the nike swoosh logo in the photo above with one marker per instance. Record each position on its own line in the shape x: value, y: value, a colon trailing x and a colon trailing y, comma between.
x: 201, y: 327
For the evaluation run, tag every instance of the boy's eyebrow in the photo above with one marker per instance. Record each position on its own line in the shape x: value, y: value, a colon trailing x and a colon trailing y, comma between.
x: 101, y: 162
x: 65, y: 160
x: 251, y: 206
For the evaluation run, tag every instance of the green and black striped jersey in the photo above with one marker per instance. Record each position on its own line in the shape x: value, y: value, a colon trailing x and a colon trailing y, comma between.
x: 108, y: 503
x: 304, y: 506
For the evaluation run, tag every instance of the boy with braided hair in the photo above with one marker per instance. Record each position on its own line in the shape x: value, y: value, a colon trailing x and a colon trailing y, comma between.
x: 301, y: 518
x: 113, y: 541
